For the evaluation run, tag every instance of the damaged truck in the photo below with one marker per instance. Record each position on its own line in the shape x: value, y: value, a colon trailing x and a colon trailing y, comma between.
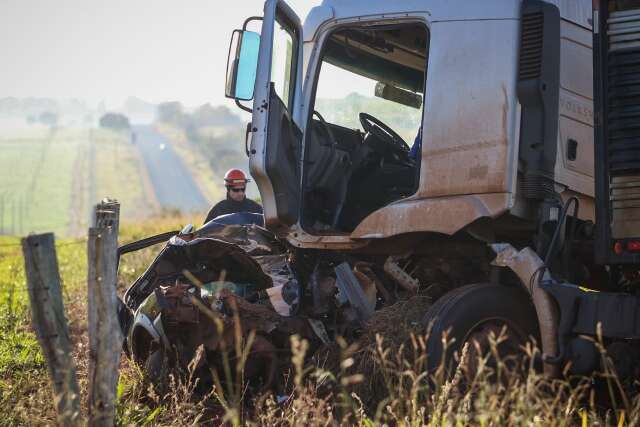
x: 516, y: 207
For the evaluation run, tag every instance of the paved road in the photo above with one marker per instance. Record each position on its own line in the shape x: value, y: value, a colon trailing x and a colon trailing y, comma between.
x: 172, y: 181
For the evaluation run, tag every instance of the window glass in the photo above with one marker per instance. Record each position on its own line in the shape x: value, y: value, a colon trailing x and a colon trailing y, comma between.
x: 282, y: 62
x: 341, y: 95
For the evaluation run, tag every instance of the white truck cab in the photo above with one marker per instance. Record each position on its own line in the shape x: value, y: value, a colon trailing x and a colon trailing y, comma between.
x: 382, y: 119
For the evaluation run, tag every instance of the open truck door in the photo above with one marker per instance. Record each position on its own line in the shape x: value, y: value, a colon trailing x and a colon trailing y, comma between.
x: 267, y: 68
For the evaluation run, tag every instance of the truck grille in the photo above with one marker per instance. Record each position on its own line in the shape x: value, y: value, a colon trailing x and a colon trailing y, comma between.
x: 531, y: 46
x: 623, y: 122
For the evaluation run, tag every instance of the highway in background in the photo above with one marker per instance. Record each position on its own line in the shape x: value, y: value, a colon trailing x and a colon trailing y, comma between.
x: 173, y: 183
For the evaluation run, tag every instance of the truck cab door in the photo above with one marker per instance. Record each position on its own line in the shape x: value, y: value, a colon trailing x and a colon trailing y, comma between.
x: 276, y: 135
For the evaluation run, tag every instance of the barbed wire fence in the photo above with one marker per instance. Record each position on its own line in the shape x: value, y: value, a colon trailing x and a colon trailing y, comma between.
x: 45, y: 289
x: 14, y: 288
x: 58, y: 245
x: 13, y: 212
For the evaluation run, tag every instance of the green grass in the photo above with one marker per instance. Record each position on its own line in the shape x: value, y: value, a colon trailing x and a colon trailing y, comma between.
x: 19, y: 350
x: 24, y: 384
x: 36, y: 172
x: 120, y: 174
x: 50, y: 179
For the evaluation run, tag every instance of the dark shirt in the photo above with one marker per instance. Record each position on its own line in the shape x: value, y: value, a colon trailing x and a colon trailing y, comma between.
x: 229, y: 206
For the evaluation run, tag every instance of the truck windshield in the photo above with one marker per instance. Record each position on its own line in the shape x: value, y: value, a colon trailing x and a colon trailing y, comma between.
x: 356, y: 59
x: 342, y: 94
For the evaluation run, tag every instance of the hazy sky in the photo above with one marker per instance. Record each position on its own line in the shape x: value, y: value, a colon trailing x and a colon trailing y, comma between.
x: 107, y: 50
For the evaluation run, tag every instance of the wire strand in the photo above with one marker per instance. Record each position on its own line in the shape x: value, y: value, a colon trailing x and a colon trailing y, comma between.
x: 74, y: 242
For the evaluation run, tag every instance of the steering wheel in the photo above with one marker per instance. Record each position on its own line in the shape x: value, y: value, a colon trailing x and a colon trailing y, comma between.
x: 375, y: 127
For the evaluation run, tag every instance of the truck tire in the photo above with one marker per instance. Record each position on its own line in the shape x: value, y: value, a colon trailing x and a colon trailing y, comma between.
x: 469, y: 314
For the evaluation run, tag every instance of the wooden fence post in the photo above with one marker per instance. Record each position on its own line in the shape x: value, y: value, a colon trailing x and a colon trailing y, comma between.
x: 107, y: 214
x: 105, y: 337
x: 50, y: 324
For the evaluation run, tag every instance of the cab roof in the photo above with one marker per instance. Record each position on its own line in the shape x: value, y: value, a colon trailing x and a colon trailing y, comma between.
x: 576, y: 11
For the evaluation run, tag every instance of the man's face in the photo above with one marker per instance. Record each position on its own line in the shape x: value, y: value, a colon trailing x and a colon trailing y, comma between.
x: 237, y: 194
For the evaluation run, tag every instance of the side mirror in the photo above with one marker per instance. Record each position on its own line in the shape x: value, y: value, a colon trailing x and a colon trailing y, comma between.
x: 242, y: 64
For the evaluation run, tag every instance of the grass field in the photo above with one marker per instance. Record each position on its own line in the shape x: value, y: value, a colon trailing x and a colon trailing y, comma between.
x: 25, y: 397
x: 50, y: 179
x: 377, y: 380
x: 120, y: 173
x: 36, y: 175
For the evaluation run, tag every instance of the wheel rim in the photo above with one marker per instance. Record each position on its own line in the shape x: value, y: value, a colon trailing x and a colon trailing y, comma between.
x: 479, y: 340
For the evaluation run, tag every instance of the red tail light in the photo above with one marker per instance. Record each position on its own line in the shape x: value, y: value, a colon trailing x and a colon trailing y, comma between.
x: 633, y: 246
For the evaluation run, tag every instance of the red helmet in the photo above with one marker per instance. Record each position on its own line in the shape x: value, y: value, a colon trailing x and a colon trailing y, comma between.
x: 235, y: 178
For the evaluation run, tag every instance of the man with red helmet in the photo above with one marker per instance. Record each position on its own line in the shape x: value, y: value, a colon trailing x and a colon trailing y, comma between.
x: 236, y: 183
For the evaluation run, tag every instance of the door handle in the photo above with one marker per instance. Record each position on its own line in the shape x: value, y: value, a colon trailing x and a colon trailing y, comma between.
x: 572, y: 149
x: 246, y: 139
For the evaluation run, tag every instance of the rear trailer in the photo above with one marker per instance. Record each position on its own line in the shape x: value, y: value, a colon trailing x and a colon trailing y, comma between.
x: 616, y: 50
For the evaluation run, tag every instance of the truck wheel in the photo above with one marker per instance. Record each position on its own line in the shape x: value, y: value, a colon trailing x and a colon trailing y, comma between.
x: 471, y: 314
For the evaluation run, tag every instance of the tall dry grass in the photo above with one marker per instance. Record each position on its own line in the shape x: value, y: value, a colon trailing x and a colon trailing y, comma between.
x: 396, y: 390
